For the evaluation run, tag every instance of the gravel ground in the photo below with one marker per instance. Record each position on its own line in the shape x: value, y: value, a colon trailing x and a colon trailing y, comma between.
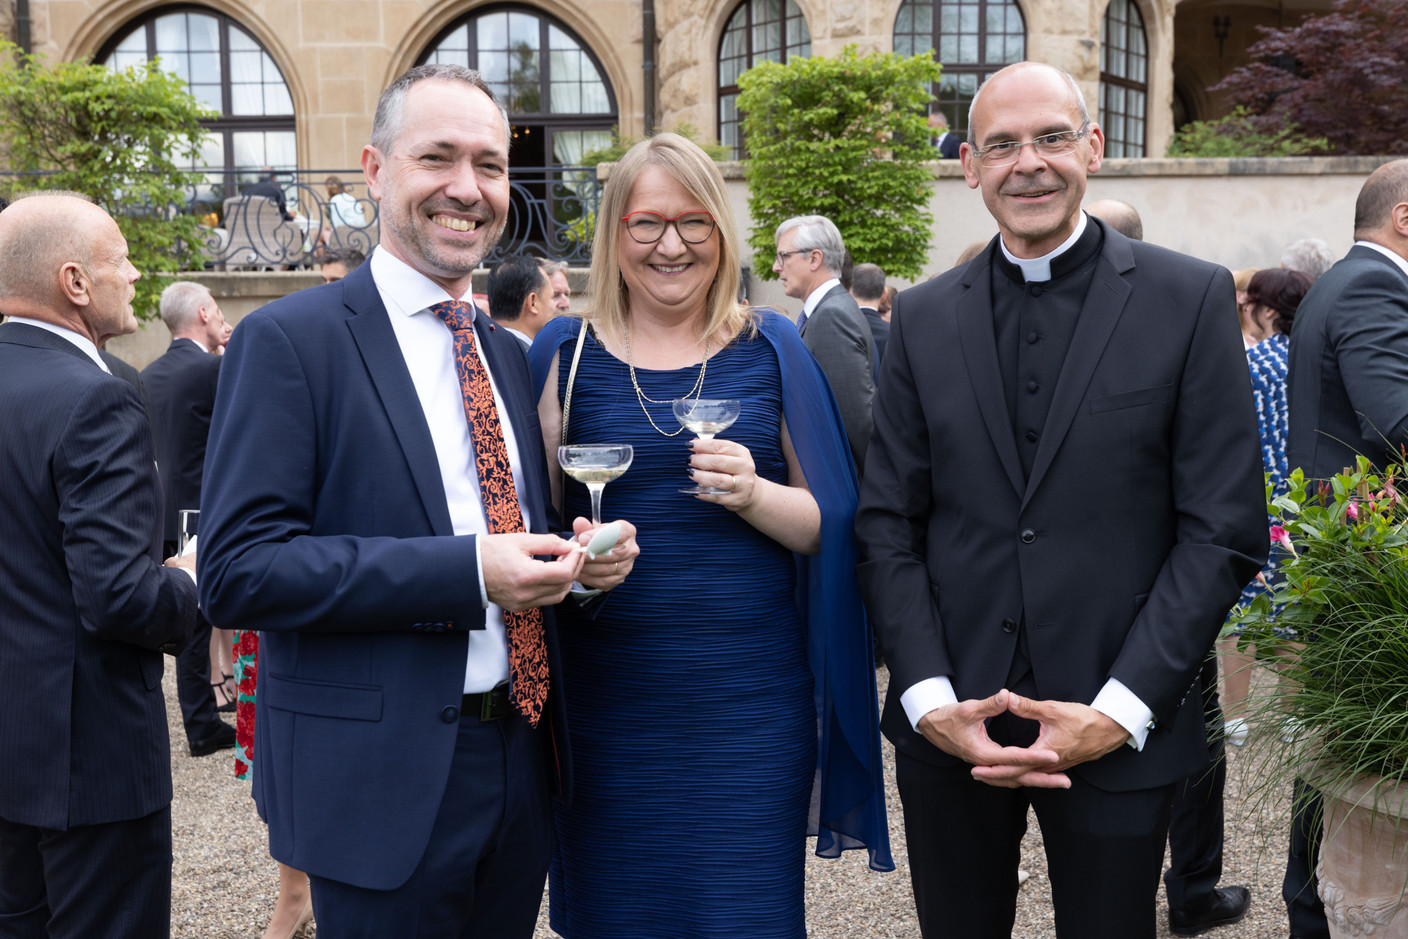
x: 224, y: 883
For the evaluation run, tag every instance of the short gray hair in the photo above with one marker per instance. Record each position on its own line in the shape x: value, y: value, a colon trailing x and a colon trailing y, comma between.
x: 1309, y: 256
x: 390, y: 107
x: 550, y: 268
x: 180, y: 302
x: 816, y: 233
x: 1075, y: 90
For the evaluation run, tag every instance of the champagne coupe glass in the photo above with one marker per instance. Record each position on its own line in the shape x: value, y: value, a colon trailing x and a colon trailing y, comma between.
x: 706, y: 417
x: 594, y: 465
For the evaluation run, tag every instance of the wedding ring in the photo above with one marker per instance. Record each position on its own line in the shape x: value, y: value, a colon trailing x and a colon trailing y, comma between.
x: 732, y: 483
x: 615, y: 567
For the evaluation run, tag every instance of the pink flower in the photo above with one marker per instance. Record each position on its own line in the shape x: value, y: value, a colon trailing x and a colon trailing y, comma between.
x: 1282, y: 537
x: 1351, y: 510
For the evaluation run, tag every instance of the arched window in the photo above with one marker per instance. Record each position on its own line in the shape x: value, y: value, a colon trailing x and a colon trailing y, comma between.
x: 758, y: 31
x: 1124, y: 80
x: 970, y: 38
x: 229, y: 72
x: 557, y: 96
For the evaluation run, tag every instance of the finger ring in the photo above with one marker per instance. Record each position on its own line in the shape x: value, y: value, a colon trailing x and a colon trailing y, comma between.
x: 615, y: 567
x: 732, y: 483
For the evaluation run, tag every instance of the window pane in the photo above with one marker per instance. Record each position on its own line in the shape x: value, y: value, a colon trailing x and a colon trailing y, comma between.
x: 493, y: 31
x: 967, y: 48
x: 595, y: 100
x: 171, y: 33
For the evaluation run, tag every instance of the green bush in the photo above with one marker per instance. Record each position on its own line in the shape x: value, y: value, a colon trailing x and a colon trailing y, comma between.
x: 1235, y: 136
x: 120, y: 138
x: 847, y: 138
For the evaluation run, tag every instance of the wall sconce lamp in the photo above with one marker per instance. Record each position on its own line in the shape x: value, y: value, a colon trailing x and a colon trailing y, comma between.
x: 1221, y: 26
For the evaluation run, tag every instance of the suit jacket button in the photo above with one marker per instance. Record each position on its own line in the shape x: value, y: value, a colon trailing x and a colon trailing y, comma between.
x: 1009, y: 626
x: 450, y: 715
x: 1028, y: 536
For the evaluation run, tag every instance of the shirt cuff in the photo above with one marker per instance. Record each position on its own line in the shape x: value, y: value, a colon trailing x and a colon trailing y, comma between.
x: 191, y: 572
x: 479, y: 571
x: 1123, y: 707
x: 925, y: 696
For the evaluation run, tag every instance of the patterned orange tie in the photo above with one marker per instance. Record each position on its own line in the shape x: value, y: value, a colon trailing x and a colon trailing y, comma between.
x: 527, y: 654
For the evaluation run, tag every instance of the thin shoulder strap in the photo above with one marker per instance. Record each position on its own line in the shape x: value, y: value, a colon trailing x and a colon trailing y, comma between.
x: 571, y: 378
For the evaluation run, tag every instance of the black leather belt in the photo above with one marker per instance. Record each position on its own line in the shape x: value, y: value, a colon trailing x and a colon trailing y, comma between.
x: 492, y: 705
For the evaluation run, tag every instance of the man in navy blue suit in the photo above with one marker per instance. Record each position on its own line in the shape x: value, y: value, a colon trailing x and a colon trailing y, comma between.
x: 181, y: 387
x: 86, y: 609
x: 349, y: 515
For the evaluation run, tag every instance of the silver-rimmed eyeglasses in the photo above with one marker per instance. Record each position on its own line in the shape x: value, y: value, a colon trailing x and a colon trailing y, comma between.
x: 1048, y: 145
x: 647, y: 227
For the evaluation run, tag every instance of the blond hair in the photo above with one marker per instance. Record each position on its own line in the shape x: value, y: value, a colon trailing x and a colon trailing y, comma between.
x: 692, y: 168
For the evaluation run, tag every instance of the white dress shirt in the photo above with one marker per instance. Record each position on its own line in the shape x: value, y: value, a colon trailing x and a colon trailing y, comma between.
x: 83, y: 342
x: 1115, y: 700
x: 815, y: 296
x: 427, y: 345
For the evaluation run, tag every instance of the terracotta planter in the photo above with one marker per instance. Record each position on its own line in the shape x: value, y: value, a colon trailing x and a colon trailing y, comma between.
x: 1363, y: 868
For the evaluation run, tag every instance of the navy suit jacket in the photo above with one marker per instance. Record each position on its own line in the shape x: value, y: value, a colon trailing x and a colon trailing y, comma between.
x: 1347, y: 385
x: 86, y: 610
x: 1140, y: 522
x: 325, y: 527
x: 181, y: 389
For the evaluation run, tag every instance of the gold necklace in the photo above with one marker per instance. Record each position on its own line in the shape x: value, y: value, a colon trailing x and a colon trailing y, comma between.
x: 642, y: 397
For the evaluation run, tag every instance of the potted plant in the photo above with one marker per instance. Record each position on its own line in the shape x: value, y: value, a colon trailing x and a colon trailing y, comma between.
x: 1341, y: 706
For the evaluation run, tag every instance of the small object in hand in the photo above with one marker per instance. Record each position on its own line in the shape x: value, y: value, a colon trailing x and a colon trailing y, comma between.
x: 603, y: 541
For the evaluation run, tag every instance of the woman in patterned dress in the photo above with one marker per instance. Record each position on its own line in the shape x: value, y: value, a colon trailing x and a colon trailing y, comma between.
x: 294, y: 907
x: 1272, y: 297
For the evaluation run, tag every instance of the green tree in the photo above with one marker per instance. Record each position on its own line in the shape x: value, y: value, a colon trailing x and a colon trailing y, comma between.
x: 847, y: 138
x: 1236, y: 135
x: 120, y: 138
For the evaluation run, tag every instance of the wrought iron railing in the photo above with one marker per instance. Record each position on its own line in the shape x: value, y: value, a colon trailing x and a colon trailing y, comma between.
x: 552, y: 214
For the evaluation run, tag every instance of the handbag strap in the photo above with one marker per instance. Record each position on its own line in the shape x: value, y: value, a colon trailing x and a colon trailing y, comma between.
x: 571, y: 378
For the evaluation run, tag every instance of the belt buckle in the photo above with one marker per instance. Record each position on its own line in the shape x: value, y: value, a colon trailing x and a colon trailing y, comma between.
x: 494, y: 704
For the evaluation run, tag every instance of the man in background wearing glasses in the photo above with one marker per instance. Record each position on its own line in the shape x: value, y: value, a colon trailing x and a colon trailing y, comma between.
x: 809, y: 257
x: 1062, y: 499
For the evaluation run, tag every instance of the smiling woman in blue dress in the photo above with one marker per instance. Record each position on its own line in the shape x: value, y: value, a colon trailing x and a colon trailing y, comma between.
x: 721, y: 702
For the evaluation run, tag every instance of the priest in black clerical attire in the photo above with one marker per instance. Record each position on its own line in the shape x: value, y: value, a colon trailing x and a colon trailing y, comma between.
x: 1061, y: 500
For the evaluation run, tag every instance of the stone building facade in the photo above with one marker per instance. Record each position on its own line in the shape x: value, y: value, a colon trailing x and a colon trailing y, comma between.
x: 298, y: 79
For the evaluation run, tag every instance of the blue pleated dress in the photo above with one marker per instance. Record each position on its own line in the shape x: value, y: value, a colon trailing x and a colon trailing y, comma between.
x: 689, y: 695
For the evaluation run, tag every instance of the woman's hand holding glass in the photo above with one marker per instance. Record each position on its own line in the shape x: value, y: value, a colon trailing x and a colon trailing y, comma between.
x: 606, y: 571
x: 724, y: 471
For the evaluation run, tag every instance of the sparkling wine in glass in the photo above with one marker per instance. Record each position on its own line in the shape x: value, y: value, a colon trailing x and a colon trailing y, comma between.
x: 594, y: 465
x: 706, y: 417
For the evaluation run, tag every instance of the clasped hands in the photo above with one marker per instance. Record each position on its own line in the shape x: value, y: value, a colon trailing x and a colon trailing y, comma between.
x: 1070, y: 734
x: 515, y: 578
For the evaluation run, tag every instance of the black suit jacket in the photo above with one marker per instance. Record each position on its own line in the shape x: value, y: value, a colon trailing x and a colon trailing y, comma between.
x: 1347, y: 387
x: 1140, y: 522
x: 879, y: 332
x: 838, y: 335
x: 85, y: 608
x: 181, y: 392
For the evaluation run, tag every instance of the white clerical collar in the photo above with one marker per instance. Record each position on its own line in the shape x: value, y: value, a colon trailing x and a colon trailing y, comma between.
x: 403, y: 288
x: 1392, y: 256
x: 1039, y: 269
x: 83, y: 342
x: 815, y: 296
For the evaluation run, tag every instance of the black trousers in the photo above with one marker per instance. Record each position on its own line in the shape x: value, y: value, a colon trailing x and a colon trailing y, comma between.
x: 193, y: 690
x: 483, y: 871
x: 109, y: 881
x: 1304, y: 908
x: 1104, y: 852
x: 1195, y: 830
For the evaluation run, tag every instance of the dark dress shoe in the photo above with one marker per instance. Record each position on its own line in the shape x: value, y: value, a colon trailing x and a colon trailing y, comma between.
x: 220, y: 740
x: 1229, y: 905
